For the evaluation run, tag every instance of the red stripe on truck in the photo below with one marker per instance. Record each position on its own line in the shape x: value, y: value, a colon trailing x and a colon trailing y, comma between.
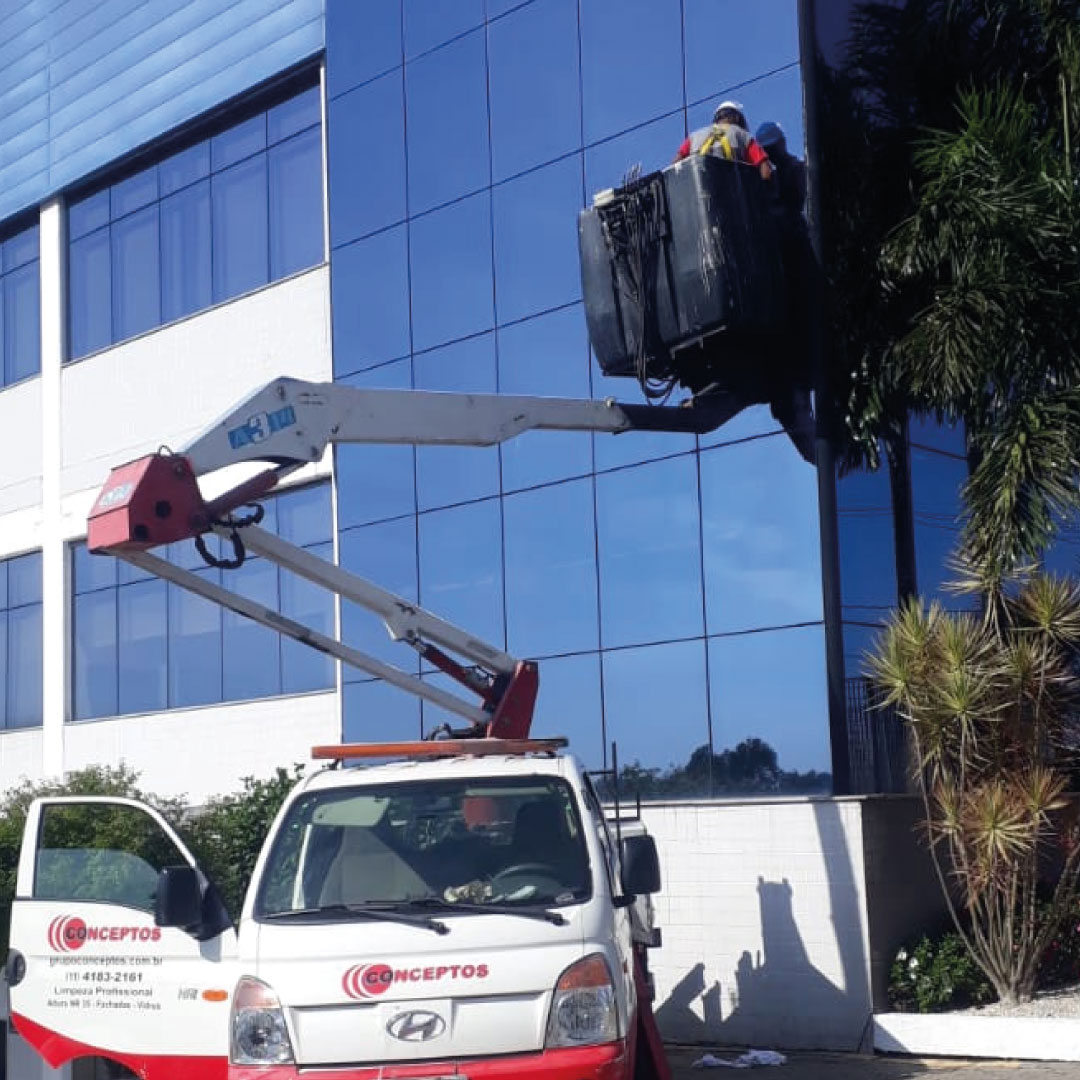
x: 612, y: 1061
x: 58, y: 1049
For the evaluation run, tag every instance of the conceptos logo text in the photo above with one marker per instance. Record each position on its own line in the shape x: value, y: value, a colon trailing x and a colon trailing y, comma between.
x: 68, y: 932
x: 371, y: 980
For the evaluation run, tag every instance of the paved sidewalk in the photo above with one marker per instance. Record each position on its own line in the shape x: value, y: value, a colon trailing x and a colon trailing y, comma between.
x: 807, y: 1066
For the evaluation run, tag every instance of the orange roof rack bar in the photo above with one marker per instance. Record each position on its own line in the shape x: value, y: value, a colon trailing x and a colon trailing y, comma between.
x: 438, y: 748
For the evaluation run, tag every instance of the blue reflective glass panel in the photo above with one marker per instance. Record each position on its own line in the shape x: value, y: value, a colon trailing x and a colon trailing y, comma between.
x: 302, y: 667
x: 732, y: 43
x: 252, y: 660
x: 24, y: 580
x: 142, y: 651
x: 859, y: 640
x: 536, y: 248
x: 94, y: 657
x: 936, y: 483
x: 304, y: 110
x: 613, y: 451
x: 647, y: 522
x: 185, y: 252
x: 367, y: 159
x: 451, y: 272
x: 21, y: 323
x: 91, y: 571
x: 447, y: 130
x: 134, y: 192
x: 240, y: 229
x: 370, y: 285
x: 925, y: 431
x: 866, y: 546
x: 135, y: 274
x: 453, y: 474
x: 4, y: 582
x: 184, y: 168
x: 761, y: 539
x: 362, y: 40
x: 238, y: 142
x: 1063, y: 556
x: 376, y: 482
x: 3, y: 668
x: 194, y: 648
x: 20, y: 248
x: 644, y: 689
x: 551, y: 570
x: 374, y: 711
x: 296, y: 204
x: 429, y: 23
x: 303, y: 515
x: 91, y: 294
x: 569, y: 702
x: 24, y: 667
x: 631, y: 63
x: 771, y: 687
x: 88, y: 214
x: 652, y: 147
x: 547, y: 356
x: 384, y: 553
x: 535, y: 86
x: 461, y: 570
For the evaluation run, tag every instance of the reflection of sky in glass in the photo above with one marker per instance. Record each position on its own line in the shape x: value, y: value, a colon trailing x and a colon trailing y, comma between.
x: 636, y: 585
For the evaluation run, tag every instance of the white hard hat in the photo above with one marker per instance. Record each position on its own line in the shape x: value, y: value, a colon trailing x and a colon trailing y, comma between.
x: 734, y: 106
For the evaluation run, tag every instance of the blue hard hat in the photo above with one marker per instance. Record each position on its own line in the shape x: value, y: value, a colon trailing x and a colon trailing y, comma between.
x: 769, y: 133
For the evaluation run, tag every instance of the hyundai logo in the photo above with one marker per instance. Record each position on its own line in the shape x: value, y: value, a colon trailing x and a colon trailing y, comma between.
x: 416, y: 1026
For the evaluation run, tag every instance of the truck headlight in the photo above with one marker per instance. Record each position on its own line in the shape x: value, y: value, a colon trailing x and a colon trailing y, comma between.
x: 258, y: 1032
x: 583, y: 1010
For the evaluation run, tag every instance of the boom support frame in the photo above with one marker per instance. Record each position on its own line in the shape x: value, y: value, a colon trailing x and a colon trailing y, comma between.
x: 290, y: 423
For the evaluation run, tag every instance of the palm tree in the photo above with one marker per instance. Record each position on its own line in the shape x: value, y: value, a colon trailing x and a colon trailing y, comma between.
x: 991, y: 706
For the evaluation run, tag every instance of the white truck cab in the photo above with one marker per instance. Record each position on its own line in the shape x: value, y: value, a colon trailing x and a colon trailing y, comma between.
x: 460, y: 913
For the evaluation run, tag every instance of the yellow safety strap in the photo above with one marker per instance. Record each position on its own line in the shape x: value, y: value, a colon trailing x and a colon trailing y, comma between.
x: 714, y: 137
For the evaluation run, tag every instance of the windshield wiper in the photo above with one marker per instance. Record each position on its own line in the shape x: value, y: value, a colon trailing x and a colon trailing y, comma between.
x: 533, y: 912
x: 387, y: 912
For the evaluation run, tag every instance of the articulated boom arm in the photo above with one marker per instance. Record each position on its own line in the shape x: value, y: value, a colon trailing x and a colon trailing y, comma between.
x: 289, y: 423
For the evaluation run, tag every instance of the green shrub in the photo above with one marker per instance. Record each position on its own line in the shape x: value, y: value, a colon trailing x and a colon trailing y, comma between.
x: 937, y: 974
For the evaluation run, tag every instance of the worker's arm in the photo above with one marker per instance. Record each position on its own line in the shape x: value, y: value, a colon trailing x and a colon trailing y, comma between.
x: 756, y: 155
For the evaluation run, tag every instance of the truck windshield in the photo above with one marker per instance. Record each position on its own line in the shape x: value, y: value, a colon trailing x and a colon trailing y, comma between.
x: 507, y: 842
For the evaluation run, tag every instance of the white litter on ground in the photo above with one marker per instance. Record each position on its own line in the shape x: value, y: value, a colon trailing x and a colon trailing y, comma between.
x: 743, y: 1061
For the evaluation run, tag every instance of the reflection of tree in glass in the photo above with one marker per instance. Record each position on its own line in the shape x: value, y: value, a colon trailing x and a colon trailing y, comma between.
x: 750, y: 768
x: 96, y: 851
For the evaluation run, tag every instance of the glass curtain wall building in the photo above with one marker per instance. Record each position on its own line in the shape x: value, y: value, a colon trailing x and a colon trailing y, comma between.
x: 669, y: 585
x: 393, y: 187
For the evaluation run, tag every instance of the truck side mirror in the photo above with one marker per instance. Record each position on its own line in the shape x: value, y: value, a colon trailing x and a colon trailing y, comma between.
x: 640, y: 866
x: 178, y: 901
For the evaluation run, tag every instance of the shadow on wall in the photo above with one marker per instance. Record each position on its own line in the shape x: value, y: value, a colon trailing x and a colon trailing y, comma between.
x: 777, y: 997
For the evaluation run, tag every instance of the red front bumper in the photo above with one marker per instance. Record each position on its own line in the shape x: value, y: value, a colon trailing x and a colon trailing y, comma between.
x: 611, y: 1061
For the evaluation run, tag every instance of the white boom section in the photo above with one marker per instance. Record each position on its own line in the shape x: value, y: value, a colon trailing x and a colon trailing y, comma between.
x: 405, y: 621
x: 275, y: 620
x: 294, y: 421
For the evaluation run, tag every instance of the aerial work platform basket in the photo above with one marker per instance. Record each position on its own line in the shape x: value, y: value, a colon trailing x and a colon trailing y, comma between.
x: 682, y: 276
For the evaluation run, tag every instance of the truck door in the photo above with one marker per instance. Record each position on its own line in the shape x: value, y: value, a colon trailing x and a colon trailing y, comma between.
x: 92, y: 970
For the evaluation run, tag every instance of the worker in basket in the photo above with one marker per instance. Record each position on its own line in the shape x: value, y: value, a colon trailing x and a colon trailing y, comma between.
x: 727, y: 137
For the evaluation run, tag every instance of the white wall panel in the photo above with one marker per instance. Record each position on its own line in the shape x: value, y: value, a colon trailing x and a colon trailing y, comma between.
x: 208, y: 751
x: 763, y: 914
x: 20, y: 446
x: 169, y: 385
